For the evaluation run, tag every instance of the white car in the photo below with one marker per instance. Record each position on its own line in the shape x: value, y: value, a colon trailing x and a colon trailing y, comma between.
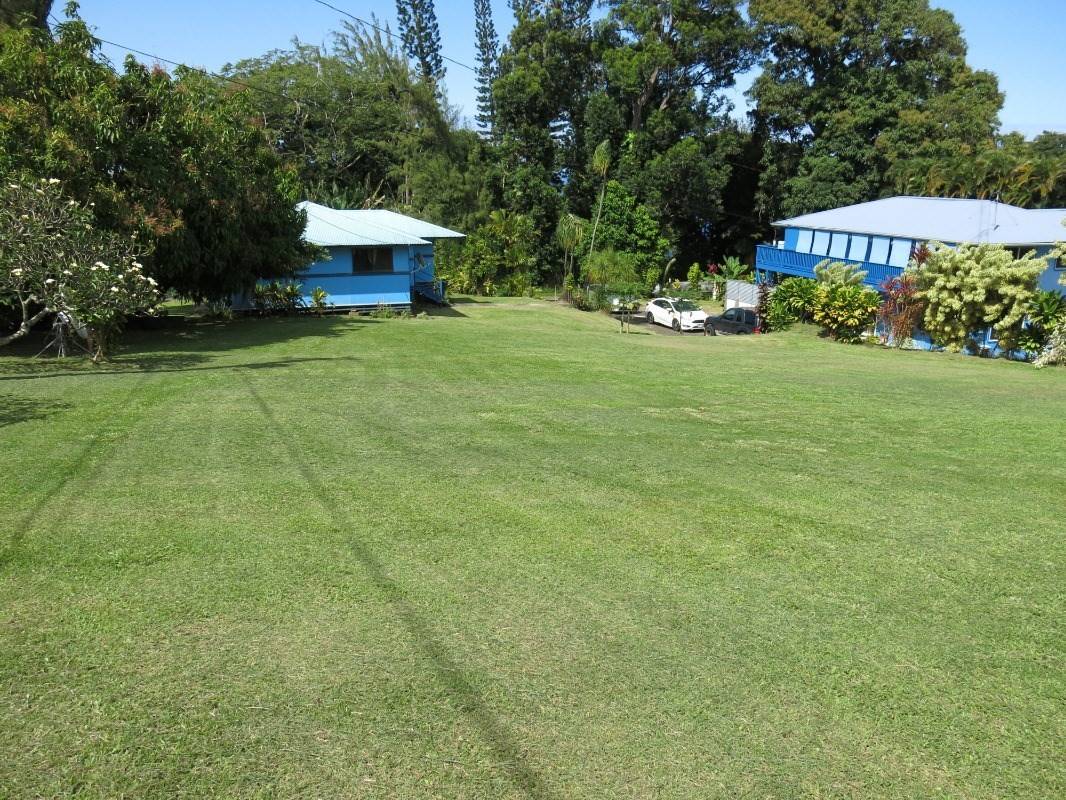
x: 679, y: 314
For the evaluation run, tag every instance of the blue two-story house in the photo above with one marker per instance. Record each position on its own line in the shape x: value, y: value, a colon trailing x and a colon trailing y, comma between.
x: 377, y: 258
x: 879, y: 237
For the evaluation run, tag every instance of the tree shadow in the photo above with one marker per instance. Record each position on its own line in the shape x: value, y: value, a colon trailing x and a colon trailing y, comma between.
x: 180, y: 348
x: 25, y: 409
x: 449, y: 672
x: 441, y: 311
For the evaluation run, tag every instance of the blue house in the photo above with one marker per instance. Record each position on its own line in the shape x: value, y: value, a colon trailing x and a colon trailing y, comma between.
x: 377, y: 257
x: 880, y: 236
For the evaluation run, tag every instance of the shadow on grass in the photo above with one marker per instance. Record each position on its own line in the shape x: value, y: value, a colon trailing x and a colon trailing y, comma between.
x: 464, y: 695
x: 441, y: 311
x: 168, y: 365
x: 22, y: 409
x: 182, y: 348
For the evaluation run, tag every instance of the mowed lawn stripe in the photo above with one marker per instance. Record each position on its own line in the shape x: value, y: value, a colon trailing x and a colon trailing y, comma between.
x: 514, y: 553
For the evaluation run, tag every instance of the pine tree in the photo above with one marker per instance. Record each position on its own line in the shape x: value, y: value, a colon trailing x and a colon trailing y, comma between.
x: 421, y: 36
x: 488, y: 67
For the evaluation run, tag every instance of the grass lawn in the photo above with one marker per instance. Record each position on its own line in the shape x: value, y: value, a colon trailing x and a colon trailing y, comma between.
x: 510, y: 552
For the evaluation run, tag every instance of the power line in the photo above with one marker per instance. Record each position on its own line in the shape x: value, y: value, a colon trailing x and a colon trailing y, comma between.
x: 385, y: 31
x: 200, y: 70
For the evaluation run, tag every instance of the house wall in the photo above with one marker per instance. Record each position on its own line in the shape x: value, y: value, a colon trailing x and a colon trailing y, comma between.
x: 1049, y: 279
x: 347, y: 289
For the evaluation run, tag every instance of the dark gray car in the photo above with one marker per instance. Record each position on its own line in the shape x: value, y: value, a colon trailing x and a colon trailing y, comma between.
x: 734, y: 320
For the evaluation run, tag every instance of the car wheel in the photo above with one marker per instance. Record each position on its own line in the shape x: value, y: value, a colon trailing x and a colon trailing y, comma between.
x: 676, y: 326
x: 650, y: 318
x: 710, y: 330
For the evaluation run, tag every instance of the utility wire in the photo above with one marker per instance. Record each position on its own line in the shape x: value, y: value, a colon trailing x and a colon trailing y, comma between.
x: 200, y: 70
x: 385, y: 31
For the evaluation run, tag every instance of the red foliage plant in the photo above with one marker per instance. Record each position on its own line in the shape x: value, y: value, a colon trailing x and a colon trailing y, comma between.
x: 902, y: 307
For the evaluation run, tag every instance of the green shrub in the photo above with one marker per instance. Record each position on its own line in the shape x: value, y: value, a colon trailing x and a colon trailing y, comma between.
x: 1054, y: 352
x: 795, y: 298
x: 651, y: 279
x: 973, y: 287
x: 319, y: 300
x: 610, y: 268
x: 695, y: 275
x: 845, y: 310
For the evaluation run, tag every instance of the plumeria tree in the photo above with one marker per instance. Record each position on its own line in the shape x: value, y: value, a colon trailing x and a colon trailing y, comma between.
x: 53, y: 260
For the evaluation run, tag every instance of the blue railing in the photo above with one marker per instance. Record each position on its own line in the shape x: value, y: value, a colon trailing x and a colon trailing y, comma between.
x: 790, y: 262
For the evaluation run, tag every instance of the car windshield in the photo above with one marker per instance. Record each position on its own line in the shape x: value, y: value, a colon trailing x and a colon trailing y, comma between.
x: 686, y: 305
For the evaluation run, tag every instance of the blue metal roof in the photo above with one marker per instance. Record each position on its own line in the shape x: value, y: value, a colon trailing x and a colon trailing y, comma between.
x: 330, y: 227
x: 940, y: 219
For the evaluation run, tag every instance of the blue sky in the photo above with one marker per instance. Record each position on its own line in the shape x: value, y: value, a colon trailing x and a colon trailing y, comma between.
x: 1018, y: 41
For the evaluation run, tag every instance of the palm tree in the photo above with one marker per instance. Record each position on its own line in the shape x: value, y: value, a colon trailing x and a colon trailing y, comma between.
x: 601, y: 163
x: 569, y: 233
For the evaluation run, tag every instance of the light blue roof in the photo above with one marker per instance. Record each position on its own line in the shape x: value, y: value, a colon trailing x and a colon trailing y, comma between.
x: 330, y: 227
x: 940, y: 219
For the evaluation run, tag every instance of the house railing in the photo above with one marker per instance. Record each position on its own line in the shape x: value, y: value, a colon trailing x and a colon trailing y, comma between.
x: 802, y: 264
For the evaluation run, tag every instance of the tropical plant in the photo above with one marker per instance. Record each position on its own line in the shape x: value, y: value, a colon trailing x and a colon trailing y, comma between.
x: 1054, y: 351
x: 695, y: 277
x: 838, y: 272
x: 651, y: 279
x: 901, y: 309
x: 845, y: 310
x: 320, y: 300
x: 973, y: 287
x: 53, y: 260
x: 610, y: 269
x: 569, y: 234
x: 795, y: 298
x: 733, y: 269
x: 601, y: 163
x: 498, y: 251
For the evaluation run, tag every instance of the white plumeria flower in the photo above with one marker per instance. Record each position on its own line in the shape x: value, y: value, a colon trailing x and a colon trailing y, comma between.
x: 53, y: 181
x: 67, y: 272
x: 114, y: 288
x: 16, y: 272
x: 49, y: 281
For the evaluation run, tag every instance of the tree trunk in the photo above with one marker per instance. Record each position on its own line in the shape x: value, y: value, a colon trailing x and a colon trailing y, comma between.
x: 27, y: 323
x: 596, y: 224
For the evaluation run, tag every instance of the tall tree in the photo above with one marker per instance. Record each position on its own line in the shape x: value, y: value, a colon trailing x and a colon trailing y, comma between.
x: 670, y: 53
x: 177, y: 160
x: 546, y: 71
x: 421, y: 37
x: 849, y: 84
x: 487, y: 64
x: 20, y: 12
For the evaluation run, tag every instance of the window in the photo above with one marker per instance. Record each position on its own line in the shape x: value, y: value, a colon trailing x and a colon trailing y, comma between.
x: 879, y: 250
x: 371, y: 259
x: 821, y: 243
x: 803, y: 241
x: 839, y: 246
x: 900, y: 253
x: 859, y: 245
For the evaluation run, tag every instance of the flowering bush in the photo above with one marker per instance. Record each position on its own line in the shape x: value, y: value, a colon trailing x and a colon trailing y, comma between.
x: 53, y: 260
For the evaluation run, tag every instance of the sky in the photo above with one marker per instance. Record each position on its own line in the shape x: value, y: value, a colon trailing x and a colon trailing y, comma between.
x: 1018, y: 41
